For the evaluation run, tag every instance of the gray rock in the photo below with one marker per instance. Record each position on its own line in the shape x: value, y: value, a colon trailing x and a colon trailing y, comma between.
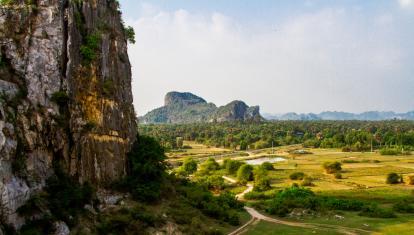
x: 40, y: 51
x: 60, y: 228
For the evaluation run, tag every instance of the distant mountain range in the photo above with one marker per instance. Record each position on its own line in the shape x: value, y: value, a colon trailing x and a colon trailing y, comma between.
x: 185, y: 107
x: 366, y: 116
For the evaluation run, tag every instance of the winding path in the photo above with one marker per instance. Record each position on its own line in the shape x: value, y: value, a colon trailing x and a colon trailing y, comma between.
x: 257, y: 216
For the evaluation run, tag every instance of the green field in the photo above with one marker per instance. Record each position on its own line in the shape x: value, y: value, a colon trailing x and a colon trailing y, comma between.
x: 363, y: 178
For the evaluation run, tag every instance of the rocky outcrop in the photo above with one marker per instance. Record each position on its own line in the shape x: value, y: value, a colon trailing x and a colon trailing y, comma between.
x: 65, y: 96
x: 189, y: 108
x: 185, y: 98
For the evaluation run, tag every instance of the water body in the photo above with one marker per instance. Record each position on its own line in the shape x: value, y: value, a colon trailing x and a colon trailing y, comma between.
x: 259, y: 161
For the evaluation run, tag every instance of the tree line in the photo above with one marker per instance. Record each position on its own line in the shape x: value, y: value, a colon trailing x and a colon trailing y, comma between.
x: 348, y: 135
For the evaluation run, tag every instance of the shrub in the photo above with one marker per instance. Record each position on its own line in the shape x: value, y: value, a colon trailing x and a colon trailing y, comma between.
x: 403, y: 207
x: 350, y: 161
x: 60, y: 98
x: 267, y: 166
x: 64, y: 199
x: 393, y: 178
x: 189, y: 166
x: 208, y: 166
x: 255, y: 195
x: 221, y: 207
x: 297, y: 176
x: 376, y: 212
x: 332, y: 167
x: 261, y: 179
x: 145, y: 169
x: 232, y: 166
x: 215, y: 182
x: 290, y: 198
x: 108, y: 87
x: 245, y: 173
x: 338, y: 175
x: 90, y: 47
x: 341, y: 204
x: 6, y: 2
x: 390, y: 151
x: 130, y: 34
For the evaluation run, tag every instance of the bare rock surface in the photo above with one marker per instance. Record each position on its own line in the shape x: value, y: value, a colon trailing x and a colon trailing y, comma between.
x: 58, y: 103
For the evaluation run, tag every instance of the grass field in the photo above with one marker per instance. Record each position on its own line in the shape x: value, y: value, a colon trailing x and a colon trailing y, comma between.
x: 363, y: 178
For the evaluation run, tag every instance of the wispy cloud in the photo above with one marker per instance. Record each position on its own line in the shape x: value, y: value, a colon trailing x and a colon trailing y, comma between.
x: 406, y: 3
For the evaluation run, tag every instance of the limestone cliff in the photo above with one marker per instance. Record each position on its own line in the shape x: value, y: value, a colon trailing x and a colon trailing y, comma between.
x: 185, y: 107
x: 65, y: 95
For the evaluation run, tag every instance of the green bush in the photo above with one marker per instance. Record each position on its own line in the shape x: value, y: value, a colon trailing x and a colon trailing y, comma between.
x: 146, y: 167
x: 297, y: 176
x: 90, y: 47
x: 338, y: 175
x: 130, y: 34
x: 245, y: 173
x: 332, y: 167
x: 232, y: 166
x: 376, y: 212
x: 403, y: 207
x: 127, y: 220
x: 341, y: 204
x: 261, y: 179
x: 350, y: 161
x: 60, y: 98
x: 393, y: 178
x: 64, y: 199
x: 299, y: 197
x: 189, y: 166
x: 255, y: 195
x: 208, y: 166
x: 390, y: 151
x: 108, y: 87
x: 6, y: 2
x: 267, y: 166
x: 222, y: 207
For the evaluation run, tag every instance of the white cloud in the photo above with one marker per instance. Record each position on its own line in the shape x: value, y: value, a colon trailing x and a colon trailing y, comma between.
x: 406, y: 3
x: 327, y: 60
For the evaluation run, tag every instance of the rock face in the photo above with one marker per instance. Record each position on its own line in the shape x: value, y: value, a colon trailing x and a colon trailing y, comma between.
x: 189, y: 108
x: 65, y: 96
x: 186, y: 98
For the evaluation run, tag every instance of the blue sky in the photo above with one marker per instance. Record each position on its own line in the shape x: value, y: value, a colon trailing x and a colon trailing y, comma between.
x: 296, y: 55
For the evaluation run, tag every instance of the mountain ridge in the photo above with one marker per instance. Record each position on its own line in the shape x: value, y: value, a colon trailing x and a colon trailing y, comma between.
x: 342, y: 116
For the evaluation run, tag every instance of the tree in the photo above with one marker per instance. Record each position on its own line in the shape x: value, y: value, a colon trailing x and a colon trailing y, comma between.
x: 208, y: 166
x: 130, y: 34
x: 179, y: 142
x: 215, y: 182
x: 393, y: 178
x: 245, y: 173
x: 332, y: 167
x: 297, y: 176
x: 145, y: 169
x: 232, y: 166
x: 261, y: 179
x: 189, y: 166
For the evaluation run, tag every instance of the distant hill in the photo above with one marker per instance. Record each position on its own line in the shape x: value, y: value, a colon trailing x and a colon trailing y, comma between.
x: 366, y: 116
x: 185, y: 107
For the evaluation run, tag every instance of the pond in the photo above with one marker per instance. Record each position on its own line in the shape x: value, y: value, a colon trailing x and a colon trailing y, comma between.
x: 259, y: 161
